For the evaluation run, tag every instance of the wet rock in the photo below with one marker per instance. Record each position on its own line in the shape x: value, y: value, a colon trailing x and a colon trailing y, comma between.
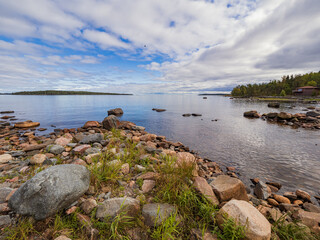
x: 275, y: 184
x: 6, y: 112
x: 115, y: 112
x: 226, y: 188
x: 55, y: 149
x: 251, y: 114
x: 26, y: 124
x: 186, y: 114
x: 148, y: 185
x: 5, y: 220
x: 304, y: 195
x: 90, y: 124
x: 38, y: 159
x: 196, y: 114
x: 202, y: 186
x: 281, y: 199
x: 312, y: 114
x: 158, y: 109
x: 92, y: 138
x: 262, y: 191
x: 110, y: 122
x: 273, y: 202
x: 4, y: 158
x: 257, y: 226
x: 274, y: 105
x: 114, y: 206
x: 284, y: 115
x: 50, y: 191
x: 291, y: 195
x: 155, y: 213
x: 4, y: 192
x: 272, y: 115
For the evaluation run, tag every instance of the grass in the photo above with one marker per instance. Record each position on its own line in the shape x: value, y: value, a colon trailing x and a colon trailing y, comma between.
x: 292, y: 231
x: 231, y: 230
x: 168, y: 229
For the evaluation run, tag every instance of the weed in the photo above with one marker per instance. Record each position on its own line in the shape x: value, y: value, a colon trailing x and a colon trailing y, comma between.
x: 231, y: 230
x: 168, y: 229
x: 139, y: 182
x: 23, y: 230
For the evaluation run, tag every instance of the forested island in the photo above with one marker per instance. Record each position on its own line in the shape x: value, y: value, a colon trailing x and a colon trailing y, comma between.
x: 282, y: 87
x: 58, y: 92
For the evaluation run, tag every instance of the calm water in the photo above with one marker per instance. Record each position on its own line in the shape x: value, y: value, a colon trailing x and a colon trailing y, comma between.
x: 256, y: 148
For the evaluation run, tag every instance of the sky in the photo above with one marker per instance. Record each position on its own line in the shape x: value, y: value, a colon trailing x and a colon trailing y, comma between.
x: 152, y: 46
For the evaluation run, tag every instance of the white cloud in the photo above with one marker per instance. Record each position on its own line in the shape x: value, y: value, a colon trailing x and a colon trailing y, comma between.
x: 103, y: 39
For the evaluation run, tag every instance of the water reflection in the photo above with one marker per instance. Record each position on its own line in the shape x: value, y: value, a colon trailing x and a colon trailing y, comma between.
x: 256, y: 148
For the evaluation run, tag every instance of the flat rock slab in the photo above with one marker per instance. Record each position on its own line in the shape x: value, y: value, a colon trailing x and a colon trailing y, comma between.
x: 4, y: 158
x: 112, y: 207
x: 227, y: 188
x: 155, y: 213
x: 51, y: 190
x: 204, y: 188
x: 257, y: 226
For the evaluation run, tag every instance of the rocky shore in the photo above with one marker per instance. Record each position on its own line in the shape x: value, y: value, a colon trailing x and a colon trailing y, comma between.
x: 114, y: 180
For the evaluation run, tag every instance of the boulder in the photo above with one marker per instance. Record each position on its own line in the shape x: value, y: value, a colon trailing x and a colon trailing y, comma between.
x: 262, y: 191
x: 27, y: 124
x: 155, y: 213
x: 312, y: 114
x: 51, y: 190
x: 92, y: 138
x: 226, y: 188
x: 38, y: 159
x: 91, y: 124
x: 158, y: 109
x: 304, y: 195
x: 310, y: 219
x: 202, y: 186
x: 272, y: 115
x: 257, y: 226
x: 251, y: 114
x: 112, y: 207
x: 4, y: 158
x: 281, y: 199
x: 55, y: 149
x: 4, y: 192
x: 62, y: 141
x: 274, y: 105
x: 110, y: 122
x: 115, y: 112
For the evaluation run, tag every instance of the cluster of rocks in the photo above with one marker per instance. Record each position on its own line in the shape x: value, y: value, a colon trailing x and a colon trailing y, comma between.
x: 61, y: 164
x: 308, y: 120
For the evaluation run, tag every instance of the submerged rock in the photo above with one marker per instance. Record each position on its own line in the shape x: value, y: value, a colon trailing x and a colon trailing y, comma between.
x: 274, y: 105
x: 51, y: 190
x: 115, y: 112
x: 27, y: 124
x: 251, y: 114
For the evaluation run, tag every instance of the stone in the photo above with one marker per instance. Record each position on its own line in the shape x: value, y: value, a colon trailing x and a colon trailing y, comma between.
x: 125, y: 168
x: 310, y: 219
x: 149, y: 176
x: 90, y: 124
x: 158, y: 109
x: 79, y: 162
x: 38, y: 159
x: 110, y: 122
x: 298, y: 202
x: 312, y: 114
x: 226, y: 188
x: 92, y: 150
x: 200, y: 235
x: 88, y: 205
x: 92, y: 138
x: 281, y: 199
x: 186, y: 115
x: 34, y: 147
x: 155, y: 213
x: 251, y: 114
x: 17, y: 153
x: 311, y: 207
x: 89, y: 158
x: 27, y: 124
x: 51, y: 190
x: 257, y: 226
x: 272, y: 115
x: 291, y: 195
x: 187, y: 159
x: 81, y: 149
x: 5, y: 220
x: 148, y: 137
x: 284, y: 115
x: 273, y: 202
x: 148, y: 185
x: 288, y: 207
x: 275, y: 184
x: 274, y: 105
x: 55, y: 149
x: 115, y: 112
x: 202, y: 186
x: 262, y: 191
x: 62, y: 237
x: 62, y: 141
x: 4, y: 192
x: 4, y: 158
x: 112, y: 207
x: 304, y: 195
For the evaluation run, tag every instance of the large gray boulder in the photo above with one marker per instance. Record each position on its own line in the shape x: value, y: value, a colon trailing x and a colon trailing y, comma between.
x: 92, y: 138
x: 50, y: 191
x: 110, y: 122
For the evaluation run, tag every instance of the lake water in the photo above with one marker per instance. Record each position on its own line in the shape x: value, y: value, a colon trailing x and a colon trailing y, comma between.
x: 256, y: 148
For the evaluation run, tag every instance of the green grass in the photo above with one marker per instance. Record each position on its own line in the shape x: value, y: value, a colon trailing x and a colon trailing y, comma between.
x: 168, y: 229
x: 231, y: 230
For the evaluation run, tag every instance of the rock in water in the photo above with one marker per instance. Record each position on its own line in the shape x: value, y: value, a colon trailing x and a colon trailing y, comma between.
x: 51, y: 190
x: 257, y: 226
x: 116, y: 112
x: 110, y: 122
x: 27, y: 124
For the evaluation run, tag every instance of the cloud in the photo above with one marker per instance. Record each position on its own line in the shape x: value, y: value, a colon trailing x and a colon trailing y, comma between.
x: 157, y: 46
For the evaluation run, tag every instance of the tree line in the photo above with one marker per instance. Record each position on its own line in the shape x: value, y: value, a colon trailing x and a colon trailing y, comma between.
x: 58, y: 92
x: 282, y: 87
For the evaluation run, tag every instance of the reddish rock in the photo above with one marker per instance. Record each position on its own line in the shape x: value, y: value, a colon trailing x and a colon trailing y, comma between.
x: 281, y: 199
x: 251, y: 114
x: 79, y: 162
x: 273, y: 202
x: 88, y: 205
x: 27, y: 124
x: 81, y: 149
x: 91, y: 124
x: 148, y: 185
x: 38, y: 159
x: 204, y: 188
x: 304, y: 195
x: 110, y: 122
x: 34, y: 147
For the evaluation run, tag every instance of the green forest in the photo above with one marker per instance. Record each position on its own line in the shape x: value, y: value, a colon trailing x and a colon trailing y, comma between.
x: 282, y: 87
x: 57, y: 92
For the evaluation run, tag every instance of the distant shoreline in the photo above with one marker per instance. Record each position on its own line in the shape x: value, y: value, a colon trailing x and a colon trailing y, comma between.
x: 57, y: 92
